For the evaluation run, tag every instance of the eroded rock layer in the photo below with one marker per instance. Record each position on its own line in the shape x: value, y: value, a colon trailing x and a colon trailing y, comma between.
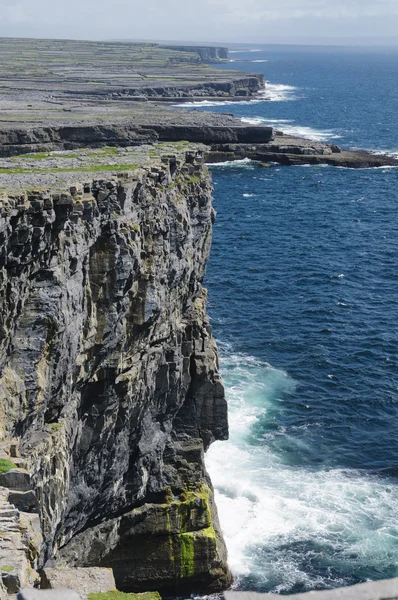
x: 109, y: 374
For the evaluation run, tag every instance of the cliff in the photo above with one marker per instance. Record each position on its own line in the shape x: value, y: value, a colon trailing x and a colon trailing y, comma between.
x: 109, y: 377
x: 207, y: 54
x: 59, y: 73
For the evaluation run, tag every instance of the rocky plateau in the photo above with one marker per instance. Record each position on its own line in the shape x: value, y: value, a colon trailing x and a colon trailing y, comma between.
x: 110, y: 391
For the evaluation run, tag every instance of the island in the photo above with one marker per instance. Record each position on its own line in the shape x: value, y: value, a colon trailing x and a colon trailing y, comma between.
x: 110, y: 390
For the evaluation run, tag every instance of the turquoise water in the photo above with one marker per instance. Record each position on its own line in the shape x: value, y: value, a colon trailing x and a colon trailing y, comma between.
x: 303, y: 296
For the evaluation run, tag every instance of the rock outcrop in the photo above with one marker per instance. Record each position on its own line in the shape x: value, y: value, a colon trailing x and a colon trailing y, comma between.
x: 109, y: 373
x: 207, y: 54
x: 16, y: 141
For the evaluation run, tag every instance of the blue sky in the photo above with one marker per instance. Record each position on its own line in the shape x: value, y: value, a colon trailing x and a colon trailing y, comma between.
x: 258, y: 21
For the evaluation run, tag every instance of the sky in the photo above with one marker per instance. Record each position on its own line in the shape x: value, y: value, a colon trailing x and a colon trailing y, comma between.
x: 255, y: 21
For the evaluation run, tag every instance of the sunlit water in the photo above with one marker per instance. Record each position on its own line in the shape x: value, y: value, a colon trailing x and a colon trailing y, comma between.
x: 304, y: 297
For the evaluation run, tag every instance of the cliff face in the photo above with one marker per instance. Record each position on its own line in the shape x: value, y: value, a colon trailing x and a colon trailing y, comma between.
x: 207, y: 54
x: 14, y: 141
x: 109, y: 374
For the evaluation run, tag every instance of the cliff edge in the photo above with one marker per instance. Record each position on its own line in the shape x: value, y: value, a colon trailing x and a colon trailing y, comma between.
x: 109, y: 380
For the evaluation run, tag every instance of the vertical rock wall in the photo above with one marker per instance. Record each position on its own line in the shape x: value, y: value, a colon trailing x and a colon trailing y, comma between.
x: 109, y: 374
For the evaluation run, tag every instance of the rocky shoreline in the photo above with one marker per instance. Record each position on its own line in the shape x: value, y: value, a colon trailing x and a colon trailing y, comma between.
x: 110, y: 391
x: 226, y: 139
x: 294, y: 151
x: 91, y: 94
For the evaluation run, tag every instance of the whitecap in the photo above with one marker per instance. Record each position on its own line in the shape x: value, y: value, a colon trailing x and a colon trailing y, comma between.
x: 311, y: 166
x: 392, y: 153
x: 271, y: 92
x: 244, y: 162
x: 268, y: 508
x: 288, y: 127
x: 264, y: 121
x: 212, y: 103
x: 278, y: 92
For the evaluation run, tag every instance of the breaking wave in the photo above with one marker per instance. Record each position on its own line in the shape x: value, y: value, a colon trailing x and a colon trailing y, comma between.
x: 283, y: 523
x: 288, y: 127
x: 271, y: 93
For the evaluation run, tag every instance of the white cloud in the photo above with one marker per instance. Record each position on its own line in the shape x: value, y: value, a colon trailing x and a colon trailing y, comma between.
x: 181, y: 19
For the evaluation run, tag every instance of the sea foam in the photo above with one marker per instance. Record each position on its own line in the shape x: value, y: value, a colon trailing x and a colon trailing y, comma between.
x: 273, y: 514
x: 288, y: 127
x: 271, y: 93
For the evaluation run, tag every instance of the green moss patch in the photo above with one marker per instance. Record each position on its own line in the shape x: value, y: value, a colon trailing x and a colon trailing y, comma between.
x: 100, y: 152
x: 122, y: 596
x: 6, y: 465
x: 53, y: 427
x: 187, y: 545
x: 81, y: 169
x: 6, y: 568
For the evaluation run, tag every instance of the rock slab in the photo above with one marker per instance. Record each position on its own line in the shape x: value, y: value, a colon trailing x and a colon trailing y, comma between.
x: 33, y: 594
x: 83, y: 581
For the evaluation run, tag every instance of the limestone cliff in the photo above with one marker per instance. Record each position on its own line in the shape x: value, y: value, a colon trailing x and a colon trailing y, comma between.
x: 206, y: 54
x: 109, y: 375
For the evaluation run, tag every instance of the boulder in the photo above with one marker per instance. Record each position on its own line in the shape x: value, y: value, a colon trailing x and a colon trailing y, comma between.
x: 16, y: 479
x: 15, y: 571
x: 84, y: 581
x: 24, y: 501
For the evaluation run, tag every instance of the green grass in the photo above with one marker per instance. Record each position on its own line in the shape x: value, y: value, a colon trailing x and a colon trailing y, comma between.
x: 33, y: 156
x: 6, y: 568
x: 81, y: 169
x: 122, y: 596
x: 53, y: 426
x: 6, y: 465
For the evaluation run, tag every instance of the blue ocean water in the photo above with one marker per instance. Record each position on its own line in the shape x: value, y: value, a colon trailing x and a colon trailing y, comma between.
x: 303, y: 292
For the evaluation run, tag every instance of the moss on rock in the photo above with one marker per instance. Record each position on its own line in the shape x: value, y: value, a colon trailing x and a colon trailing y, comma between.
x: 187, y: 554
x: 123, y: 596
x: 6, y: 465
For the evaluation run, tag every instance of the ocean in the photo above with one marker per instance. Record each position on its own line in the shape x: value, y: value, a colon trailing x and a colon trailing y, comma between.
x: 303, y: 296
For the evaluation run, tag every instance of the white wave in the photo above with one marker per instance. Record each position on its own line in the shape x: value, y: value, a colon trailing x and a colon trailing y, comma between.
x: 264, y: 121
x: 382, y: 168
x: 212, y: 103
x: 386, y: 167
x: 271, y: 93
x: 317, y: 166
x: 244, y: 162
x: 319, y: 135
x: 262, y: 60
x: 288, y: 127
x: 264, y: 502
x: 278, y: 92
x: 390, y: 153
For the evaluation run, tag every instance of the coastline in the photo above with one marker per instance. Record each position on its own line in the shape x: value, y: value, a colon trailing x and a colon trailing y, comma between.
x: 134, y: 240
x: 127, y: 103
